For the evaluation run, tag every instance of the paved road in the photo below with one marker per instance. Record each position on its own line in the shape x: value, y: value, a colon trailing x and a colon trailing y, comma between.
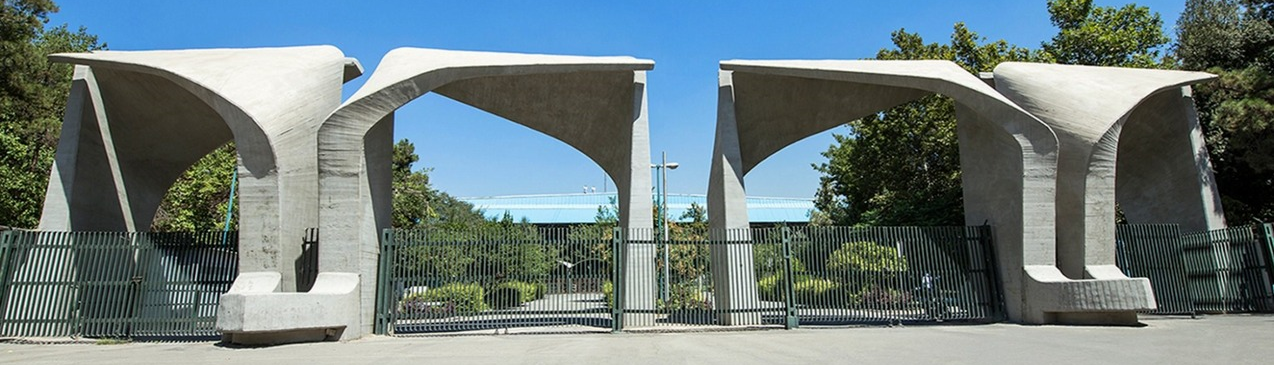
x: 1213, y: 340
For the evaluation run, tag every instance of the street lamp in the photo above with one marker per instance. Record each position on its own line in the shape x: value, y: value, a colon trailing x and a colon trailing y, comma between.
x: 663, y: 168
x: 570, y: 285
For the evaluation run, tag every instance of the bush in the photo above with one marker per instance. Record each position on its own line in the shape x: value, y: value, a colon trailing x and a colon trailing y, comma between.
x: 820, y: 292
x: 447, y: 300
x: 881, y: 296
x: 686, y: 296
x: 503, y: 297
x: 526, y: 291
x: 866, y: 256
x: 608, y: 294
x: 770, y: 288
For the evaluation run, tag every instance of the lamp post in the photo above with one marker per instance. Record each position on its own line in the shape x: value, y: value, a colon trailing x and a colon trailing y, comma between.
x: 662, y: 170
x: 570, y: 285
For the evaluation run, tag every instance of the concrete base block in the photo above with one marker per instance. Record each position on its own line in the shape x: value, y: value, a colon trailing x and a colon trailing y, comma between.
x: 252, y: 313
x: 1112, y: 299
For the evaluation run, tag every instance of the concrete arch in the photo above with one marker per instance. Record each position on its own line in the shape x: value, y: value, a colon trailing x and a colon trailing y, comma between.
x: 596, y: 105
x: 151, y: 114
x: 1131, y: 130
x: 1008, y: 156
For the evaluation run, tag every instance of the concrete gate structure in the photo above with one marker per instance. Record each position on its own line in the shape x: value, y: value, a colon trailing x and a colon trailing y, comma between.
x: 597, y: 105
x: 135, y: 121
x: 1012, y: 176
x: 1039, y: 152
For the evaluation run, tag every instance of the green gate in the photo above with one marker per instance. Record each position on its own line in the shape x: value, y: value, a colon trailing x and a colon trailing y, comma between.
x: 603, y: 278
x: 113, y: 284
x: 442, y: 280
x: 1228, y: 270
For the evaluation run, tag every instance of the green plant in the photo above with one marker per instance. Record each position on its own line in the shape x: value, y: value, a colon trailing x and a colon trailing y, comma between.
x: 526, y: 291
x: 503, y: 297
x: 866, y: 256
x: 819, y: 292
x: 447, y: 300
x: 770, y: 288
x: 608, y: 293
x: 685, y: 296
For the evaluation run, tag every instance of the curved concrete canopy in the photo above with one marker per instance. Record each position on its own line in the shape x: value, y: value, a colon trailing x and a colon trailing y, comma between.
x: 1007, y: 155
x: 1091, y: 108
x: 594, y: 104
x: 155, y: 113
x: 1008, y: 158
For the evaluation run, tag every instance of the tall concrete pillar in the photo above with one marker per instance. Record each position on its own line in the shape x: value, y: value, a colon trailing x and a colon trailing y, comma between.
x: 733, y: 272
x: 1088, y: 107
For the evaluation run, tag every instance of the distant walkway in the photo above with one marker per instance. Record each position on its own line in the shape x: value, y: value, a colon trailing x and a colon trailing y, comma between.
x: 1237, y: 339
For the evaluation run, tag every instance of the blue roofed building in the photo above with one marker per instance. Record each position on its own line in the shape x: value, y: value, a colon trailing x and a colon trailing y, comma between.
x: 581, y: 208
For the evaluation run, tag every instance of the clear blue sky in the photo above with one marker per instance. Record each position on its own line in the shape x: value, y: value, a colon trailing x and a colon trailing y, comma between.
x: 476, y: 154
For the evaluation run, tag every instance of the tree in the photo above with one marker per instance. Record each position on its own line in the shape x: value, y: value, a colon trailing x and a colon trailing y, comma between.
x: 1235, y: 40
x: 33, y: 93
x: 198, y: 201
x: 419, y: 205
x: 1128, y: 36
x: 901, y: 166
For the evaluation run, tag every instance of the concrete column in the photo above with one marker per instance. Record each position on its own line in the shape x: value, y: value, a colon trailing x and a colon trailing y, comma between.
x: 733, y: 276
x: 635, y: 215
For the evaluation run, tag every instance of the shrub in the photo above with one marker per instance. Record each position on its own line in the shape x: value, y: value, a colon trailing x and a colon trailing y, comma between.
x: 770, y: 288
x: 503, y: 297
x: 866, y: 256
x: 608, y: 294
x: 450, y: 299
x: 685, y: 296
x: 820, y: 292
x: 526, y: 291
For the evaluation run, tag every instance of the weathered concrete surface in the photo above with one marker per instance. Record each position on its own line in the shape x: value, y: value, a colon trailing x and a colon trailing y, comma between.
x: 147, y: 116
x: 137, y: 120
x: 1168, y: 177
x: 258, y: 315
x: 1007, y: 155
x: 595, y: 104
x: 1211, y: 340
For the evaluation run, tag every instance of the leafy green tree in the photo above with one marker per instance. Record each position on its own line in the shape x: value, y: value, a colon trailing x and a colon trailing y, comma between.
x: 1127, y: 36
x: 901, y: 166
x: 1235, y: 40
x: 419, y: 205
x: 33, y: 94
x: 198, y: 201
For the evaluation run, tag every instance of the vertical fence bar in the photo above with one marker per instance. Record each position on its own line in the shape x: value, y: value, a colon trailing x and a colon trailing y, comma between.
x: 618, y: 263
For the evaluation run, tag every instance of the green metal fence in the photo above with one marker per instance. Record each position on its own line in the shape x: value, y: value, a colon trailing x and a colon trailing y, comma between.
x: 1221, y: 271
x: 113, y: 284
x: 443, y: 280
x: 447, y: 280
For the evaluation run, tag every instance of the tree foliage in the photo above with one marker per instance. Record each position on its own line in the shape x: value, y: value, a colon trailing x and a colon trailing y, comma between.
x: 1235, y: 40
x: 199, y: 199
x: 901, y: 166
x: 418, y: 205
x: 33, y: 94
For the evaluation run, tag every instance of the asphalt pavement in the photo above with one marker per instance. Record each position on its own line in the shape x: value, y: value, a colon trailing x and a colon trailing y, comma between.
x: 1230, y: 339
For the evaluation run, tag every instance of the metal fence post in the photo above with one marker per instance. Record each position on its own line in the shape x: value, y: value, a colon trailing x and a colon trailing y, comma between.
x: 382, y: 276
x: 987, y: 240
x: 6, y: 243
x: 791, y: 320
x: 617, y: 281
